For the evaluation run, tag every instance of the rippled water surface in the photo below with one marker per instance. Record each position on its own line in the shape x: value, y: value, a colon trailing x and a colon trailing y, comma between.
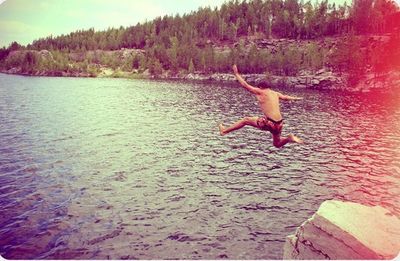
x: 114, y: 168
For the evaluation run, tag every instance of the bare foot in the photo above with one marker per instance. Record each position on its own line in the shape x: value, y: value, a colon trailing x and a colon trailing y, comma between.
x: 295, y: 139
x: 221, y: 129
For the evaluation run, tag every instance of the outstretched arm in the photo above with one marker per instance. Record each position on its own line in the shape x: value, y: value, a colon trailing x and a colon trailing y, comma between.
x: 243, y: 82
x: 288, y: 97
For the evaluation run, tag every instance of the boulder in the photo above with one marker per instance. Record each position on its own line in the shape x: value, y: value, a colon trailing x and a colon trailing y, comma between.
x: 196, y: 76
x: 14, y: 70
x: 315, y: 81
x: 146, y: 73
x: 190, y: 76
x: 300, y: 86
x: 321, y: 71
x: 346, y: 230
x: 46, y: 54
x: 222, y: 77
x: 302, y: 80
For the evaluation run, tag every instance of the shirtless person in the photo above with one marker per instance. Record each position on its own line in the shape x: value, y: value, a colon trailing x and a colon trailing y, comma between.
x: 271, y: 121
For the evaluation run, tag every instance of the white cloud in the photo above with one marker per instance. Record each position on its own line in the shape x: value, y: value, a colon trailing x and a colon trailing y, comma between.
x: 11, y: 30
x: 8, y: 26
x: 105, y: 15
x: 76, y: 14
x: 44, y: 5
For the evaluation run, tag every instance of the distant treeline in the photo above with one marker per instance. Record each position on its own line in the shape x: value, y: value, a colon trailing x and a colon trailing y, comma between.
x: 278, y: 18
x: 189, y: 42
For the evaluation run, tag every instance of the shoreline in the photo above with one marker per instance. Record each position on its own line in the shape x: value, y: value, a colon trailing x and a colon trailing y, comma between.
x: 322, y: 79
x: 321, y: 74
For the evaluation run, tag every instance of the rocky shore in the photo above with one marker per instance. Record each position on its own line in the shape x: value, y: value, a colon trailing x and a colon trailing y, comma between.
x: 346, y: 230
x: 323, y: 79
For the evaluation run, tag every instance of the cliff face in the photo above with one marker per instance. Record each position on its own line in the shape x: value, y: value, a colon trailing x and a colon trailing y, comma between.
x: 346, y: 230
x: 132, y: 63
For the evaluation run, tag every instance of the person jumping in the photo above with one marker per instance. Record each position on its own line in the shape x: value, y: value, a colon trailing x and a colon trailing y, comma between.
x: 272, y: 120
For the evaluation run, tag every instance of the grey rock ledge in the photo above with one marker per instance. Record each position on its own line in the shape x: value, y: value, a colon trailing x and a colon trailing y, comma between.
x: 346, y: 230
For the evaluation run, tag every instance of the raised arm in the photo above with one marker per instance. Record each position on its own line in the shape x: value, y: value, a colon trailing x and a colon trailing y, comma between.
x: 288, y: 97
x: 243, y: 82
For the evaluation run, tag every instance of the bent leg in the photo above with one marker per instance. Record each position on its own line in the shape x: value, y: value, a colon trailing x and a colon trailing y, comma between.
x: 280, y: 142
x: 250, y: 121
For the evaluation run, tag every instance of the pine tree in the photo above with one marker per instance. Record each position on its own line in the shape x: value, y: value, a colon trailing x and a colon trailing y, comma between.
x: 191, y: 66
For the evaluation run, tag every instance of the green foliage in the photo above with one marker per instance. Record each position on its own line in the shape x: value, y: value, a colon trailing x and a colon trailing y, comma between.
x: 135, y: 62
x: 117, y: 74
x: 30, y: 61
x: 172, y: 54
x: 3, y: 53
x: 180, y: 43
x: 155, y: 67
x: 14, y: 46
x: 370, y: 15
x: 191, y: 66
x: 127, y: 63
x: 143, y: 63
x: 253, y: 59
x: 282, y: 18
x: 92, y: 70
x: 291, y: 62
x: 14, y: 60
x: 313, y: 57
x: 348, y: 58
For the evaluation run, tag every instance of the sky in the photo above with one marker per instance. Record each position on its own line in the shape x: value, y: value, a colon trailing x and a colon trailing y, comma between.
x: 26, y: 20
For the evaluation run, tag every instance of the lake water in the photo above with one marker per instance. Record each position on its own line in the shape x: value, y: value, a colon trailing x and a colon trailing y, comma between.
x: 136, y: 169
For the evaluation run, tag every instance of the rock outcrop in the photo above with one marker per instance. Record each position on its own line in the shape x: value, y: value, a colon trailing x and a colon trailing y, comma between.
x: 325, y: 79
x: 346, y: 230
x: 322, y: 79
